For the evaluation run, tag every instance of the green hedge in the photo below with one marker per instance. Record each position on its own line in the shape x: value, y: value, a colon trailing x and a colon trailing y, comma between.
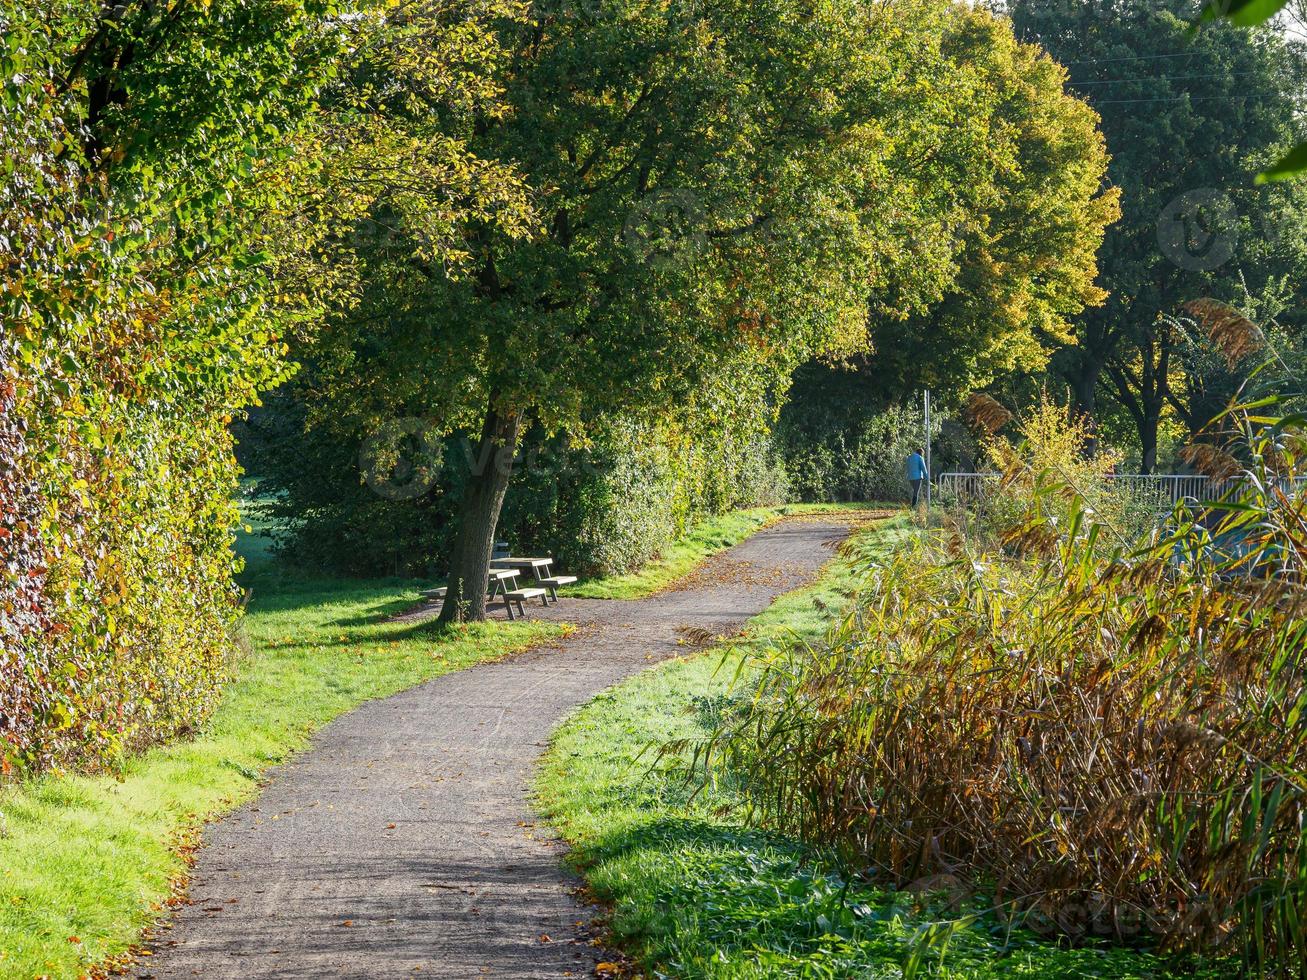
x: 842, y: 440
x: 602, y: 510
x: 654, y: 483
x: 135, y: 323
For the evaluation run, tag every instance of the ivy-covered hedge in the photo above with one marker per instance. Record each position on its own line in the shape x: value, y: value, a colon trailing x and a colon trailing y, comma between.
x: 135, y: 313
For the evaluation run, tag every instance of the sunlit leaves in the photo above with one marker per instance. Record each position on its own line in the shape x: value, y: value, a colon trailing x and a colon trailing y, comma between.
x: 1021, y: 210
x: 1245, y: 13
x: 144, y: 204
x: 1290, y: 165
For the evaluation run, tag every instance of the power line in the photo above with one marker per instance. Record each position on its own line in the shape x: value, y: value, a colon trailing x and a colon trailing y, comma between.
x: 1190, y: 98
x: 1162, y: 78
x: 1137, y: 57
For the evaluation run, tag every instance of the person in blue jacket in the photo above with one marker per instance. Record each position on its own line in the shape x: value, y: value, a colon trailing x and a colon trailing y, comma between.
x: 916, y: 473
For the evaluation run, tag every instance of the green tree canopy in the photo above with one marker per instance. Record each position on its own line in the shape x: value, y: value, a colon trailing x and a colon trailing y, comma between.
x: 717, y: 188
x: 701, y: 181
x: 1190, y: 118
x: 1026, y: 163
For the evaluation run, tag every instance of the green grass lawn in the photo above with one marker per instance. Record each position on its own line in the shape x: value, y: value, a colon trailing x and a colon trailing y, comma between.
x: 706, y: 539
x: 696, y: 892
x: 87, y: 862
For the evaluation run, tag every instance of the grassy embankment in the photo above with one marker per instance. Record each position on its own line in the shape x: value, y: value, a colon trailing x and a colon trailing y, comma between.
x: 87, y: 862
x: 698, y: 893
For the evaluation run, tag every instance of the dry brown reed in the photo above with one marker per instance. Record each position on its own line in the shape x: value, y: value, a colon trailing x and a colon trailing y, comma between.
x: 986, y: 414
x: 1110, y: 740
x: 1232, y: 333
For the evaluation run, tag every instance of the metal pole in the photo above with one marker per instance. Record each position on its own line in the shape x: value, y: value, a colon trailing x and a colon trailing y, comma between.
x: 926, y: 399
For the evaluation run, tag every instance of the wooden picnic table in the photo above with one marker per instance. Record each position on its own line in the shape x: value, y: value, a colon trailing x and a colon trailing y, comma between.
x: 533, y: 565
x: 498, y: 582
x: 501, y: 582
x: 539, y: 568
x: 501, y: 579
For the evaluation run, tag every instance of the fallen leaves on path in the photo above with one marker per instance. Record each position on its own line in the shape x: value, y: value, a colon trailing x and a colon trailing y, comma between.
x: 854, y: 518
x: 723, y: 571
x: 695, y: 636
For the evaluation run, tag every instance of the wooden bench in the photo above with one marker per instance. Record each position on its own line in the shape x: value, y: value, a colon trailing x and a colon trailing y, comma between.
x: 498, y: 581
x: 520, y: 596
x: 555, y: 582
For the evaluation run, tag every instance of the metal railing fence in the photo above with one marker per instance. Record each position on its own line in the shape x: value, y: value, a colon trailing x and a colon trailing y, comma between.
x: 1169, y: 489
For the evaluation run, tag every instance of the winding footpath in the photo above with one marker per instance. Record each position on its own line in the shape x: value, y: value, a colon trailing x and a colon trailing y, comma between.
x: 403, y: 842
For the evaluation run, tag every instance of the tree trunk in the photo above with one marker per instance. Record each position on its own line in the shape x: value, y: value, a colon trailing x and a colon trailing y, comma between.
x: 1148, y: 442
x: 1144, y: 391
x: 478, y: 517
x: 1153, y: 395
x: 1083, y: 380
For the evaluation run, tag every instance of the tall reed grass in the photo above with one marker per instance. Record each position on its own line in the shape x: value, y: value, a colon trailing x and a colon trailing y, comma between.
x: 1106, y: 733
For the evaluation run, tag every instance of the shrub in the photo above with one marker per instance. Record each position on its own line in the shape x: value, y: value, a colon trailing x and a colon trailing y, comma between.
x: 652, y: 490
x: 1109, y: 738
x: 135, y: 320
x: 1049, y: 451
x: 600, y: 510
x: 25, y: 613
x: 862, y: 457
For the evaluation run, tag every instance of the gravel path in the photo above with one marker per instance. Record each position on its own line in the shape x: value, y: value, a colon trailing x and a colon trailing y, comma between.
x: 403, y: 842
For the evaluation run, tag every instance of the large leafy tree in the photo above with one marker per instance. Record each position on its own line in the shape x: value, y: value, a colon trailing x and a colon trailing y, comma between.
x: 714, y: 190
x: 1024, y: 163
x: 1190, y: 118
